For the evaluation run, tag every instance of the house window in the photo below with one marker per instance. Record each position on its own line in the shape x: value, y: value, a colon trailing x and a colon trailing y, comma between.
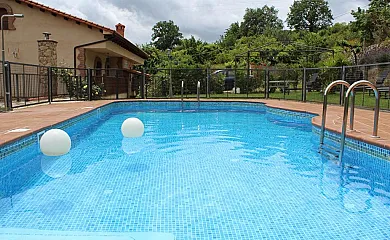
x: 98, y: 67
x: 8, y: 22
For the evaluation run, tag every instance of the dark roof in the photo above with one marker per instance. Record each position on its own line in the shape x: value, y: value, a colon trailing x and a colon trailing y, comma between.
x: 126, y: 44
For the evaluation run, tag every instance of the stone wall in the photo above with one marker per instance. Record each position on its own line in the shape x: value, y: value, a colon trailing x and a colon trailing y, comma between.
x: 47, y: 56
x: 81, y: 59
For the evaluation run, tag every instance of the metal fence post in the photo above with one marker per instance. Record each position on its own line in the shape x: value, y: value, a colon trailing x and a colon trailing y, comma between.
x: 24, y: 85
x: 129, y: 82
x: 266, y: 83
x: 342, y: 89
x: 284, y: 83
x: 116, y: 85
x: 89, y: 82
x: 146, y: 85
x: 143, y: 83
x: 208, y: 83
x: 248, y: 74
x: 77, y: 87
x: 50, y: 85
x: 304, y: 87
x: 8, y: 86
x: 39, y: 83
x: 170, y: 82
x: 17, y: 87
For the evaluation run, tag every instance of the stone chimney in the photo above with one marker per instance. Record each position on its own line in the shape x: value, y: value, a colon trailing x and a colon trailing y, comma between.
x: 47, y: 56
x: 47, y: 51
x: 120, y: 29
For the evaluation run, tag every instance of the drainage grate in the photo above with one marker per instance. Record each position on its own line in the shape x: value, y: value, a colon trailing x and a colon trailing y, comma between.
x: 19, y: 130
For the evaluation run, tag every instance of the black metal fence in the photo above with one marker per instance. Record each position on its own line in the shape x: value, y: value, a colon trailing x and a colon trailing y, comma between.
x: 300, y: 84
x: 28, y: 84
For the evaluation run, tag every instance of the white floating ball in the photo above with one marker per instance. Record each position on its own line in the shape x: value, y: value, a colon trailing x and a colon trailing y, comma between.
x: 56, y: 167
x: 55, y: 142
x: 132, y: 128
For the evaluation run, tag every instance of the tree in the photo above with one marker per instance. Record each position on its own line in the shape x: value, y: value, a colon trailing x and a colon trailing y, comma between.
x: 374, y: 23
x: 166, y: 35
x: 193, y: 47
x: 232, y: 34
x: 155, y: 59
x: 352, y: 47
x: 256, y: 21
x: 312, y: 15
x: 337, y: 33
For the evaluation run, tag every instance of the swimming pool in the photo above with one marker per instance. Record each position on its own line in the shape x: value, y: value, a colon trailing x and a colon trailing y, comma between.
x: 221, y: 171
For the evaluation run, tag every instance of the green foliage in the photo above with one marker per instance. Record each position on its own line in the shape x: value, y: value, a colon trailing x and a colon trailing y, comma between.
x: 217, y: 83
x: 232, y: 34
x: 374, y: 23
x: 260, y: 28
x: 311, y: 15
x: 166, y: 35
x: 338, y: 60
x: 352, y: 47
x: 312, y: 39
x: 337, y: 33
x: 156, y: 58
x: 256, y: 21
x: 282, y: 35
x: 190, y: 76
x: 202, y: 53
x: 77, y: 87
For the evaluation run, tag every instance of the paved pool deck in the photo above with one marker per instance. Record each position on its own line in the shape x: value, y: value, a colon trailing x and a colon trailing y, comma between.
x: 37, y: 117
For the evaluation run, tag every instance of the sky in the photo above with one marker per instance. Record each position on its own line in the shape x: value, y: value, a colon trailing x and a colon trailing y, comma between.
x: 204, y: 19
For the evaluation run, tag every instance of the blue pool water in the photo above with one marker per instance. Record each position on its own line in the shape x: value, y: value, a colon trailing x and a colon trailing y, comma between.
x: 200, y: 175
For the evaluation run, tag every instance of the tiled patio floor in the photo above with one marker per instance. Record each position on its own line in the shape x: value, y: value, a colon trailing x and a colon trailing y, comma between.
x: 37, y: 117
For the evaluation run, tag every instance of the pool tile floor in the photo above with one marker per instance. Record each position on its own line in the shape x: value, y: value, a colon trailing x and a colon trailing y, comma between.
x: 30, y: 234
x: 38, y: 117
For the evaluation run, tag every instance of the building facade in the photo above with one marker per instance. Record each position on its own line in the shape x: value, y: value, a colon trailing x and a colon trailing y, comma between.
x: 49, y: 37
x: 80, y: 43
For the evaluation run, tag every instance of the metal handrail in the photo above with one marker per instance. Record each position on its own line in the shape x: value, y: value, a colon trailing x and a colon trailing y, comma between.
x: 182, y: 93
x: 198, y: 93
x: 345, y: 116
x: 325, y: 105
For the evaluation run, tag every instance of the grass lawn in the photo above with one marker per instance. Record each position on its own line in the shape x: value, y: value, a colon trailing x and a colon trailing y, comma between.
x: 361, y: 100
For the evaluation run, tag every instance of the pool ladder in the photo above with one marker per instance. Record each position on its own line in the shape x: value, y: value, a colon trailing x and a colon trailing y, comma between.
x: 198, y: 93
x: 333, y: 151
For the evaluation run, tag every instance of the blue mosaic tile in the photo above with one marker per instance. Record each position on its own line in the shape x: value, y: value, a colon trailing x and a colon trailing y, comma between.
x: 355, y: 144
x: 190, y: 106
x: 32, y: 138
x: 198, y: 173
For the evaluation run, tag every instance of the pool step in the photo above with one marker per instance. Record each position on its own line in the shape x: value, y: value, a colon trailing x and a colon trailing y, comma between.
x: 329, y: 150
